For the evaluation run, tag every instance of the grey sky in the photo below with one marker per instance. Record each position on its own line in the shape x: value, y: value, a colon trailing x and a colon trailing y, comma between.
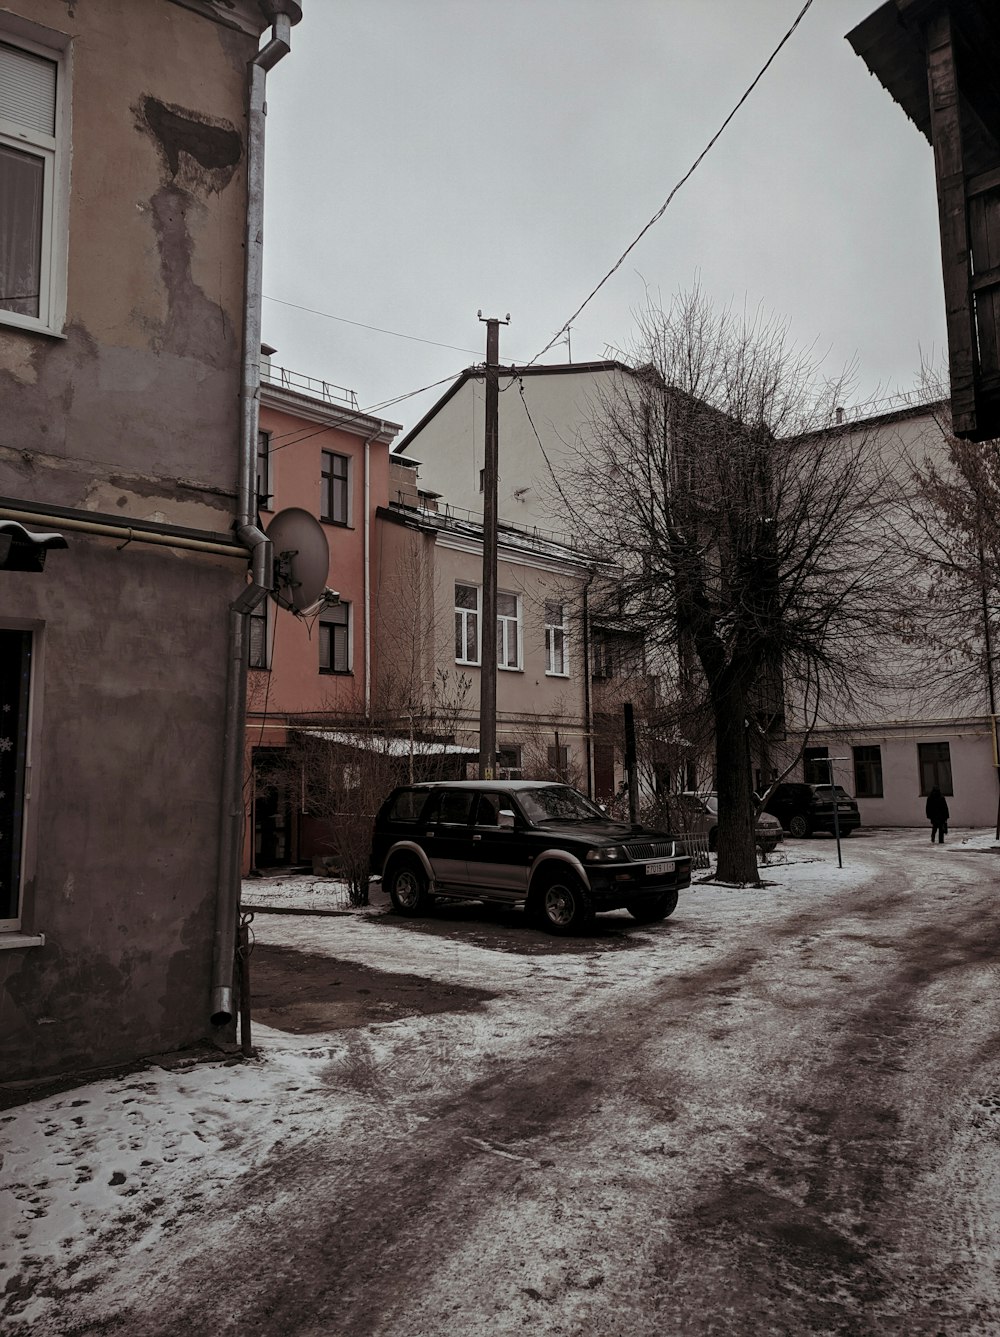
x: 427, y: 159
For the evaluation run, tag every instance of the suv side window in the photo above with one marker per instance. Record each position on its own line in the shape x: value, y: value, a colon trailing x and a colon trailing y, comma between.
x: 451, y: 805
x: 405, y: 807
x: 489, y: 807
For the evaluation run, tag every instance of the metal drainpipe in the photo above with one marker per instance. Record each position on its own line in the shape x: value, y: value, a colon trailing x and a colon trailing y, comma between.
x: 368, y: 568
x: 587, y: 701
x: 234, y: 738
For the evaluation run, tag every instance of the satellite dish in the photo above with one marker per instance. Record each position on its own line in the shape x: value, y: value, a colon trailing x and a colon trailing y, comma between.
x: 301, y: 558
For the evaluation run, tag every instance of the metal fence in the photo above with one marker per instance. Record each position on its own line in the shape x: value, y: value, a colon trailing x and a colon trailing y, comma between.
x: 696, y: 845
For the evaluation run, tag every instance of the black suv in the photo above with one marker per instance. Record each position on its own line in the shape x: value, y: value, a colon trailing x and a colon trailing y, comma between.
x: 803, y: 809
x: 522, y: 842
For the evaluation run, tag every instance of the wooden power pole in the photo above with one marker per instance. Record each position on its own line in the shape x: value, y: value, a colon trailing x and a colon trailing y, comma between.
x: 488, y: 669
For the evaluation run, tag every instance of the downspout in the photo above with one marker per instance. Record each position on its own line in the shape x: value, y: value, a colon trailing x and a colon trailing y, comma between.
x: 283, y: 14
x: 588, y: 709
x: 368, y: 568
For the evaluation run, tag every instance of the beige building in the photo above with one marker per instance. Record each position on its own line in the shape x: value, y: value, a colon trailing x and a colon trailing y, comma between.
x: 131, y: 134
x: 916, y: 730
x: 904, y: 738
x: 430, y: 630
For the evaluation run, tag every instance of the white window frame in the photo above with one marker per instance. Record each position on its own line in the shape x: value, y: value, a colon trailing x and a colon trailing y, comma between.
x: 54, y: 151
x: 11, y: 932
x: 462, y: 619
x: 554, y: 630
x: 327, y: 621
x: 509, y: 629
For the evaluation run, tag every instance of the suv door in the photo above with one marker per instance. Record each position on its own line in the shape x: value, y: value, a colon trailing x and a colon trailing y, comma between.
x: 498, y: 863
x: 447, y: 836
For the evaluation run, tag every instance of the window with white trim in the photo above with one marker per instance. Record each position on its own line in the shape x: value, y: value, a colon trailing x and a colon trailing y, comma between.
x: 508, y: 631
x: 555, y: 639
x: 335, y: 640
x: 509, y: 763
x: 467, y: 609
x: 16, y: 649
x: 33, y: 166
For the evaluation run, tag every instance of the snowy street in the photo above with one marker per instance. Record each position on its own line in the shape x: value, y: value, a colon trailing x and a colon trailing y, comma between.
x: 776, y: 1112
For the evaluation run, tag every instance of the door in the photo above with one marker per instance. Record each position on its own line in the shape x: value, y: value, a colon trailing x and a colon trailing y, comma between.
x: 447, y: 835
x: 498, y: 862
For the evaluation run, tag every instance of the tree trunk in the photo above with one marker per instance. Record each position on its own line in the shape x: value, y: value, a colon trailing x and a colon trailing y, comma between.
x: 736, y: 846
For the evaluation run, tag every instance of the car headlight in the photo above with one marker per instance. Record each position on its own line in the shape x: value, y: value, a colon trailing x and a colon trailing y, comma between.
x: 607, y: 854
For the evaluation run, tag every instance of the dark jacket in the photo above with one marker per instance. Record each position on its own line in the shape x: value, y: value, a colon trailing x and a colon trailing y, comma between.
x: 937, y: 807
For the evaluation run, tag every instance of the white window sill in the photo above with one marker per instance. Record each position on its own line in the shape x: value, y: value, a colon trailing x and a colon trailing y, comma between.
x: 550, y: 674
x: 11, y: 940
x: 9, y: 320
x: 509, y: 668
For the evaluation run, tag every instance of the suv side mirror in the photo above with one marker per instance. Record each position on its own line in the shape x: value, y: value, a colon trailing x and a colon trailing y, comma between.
x: 505, y: 820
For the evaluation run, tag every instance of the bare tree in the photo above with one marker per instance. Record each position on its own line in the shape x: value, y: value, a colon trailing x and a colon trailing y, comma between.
x: 951, y: 527
x: 751, y: 530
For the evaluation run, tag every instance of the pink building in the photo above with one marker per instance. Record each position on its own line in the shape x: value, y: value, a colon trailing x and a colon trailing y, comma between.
x: 318, y: 452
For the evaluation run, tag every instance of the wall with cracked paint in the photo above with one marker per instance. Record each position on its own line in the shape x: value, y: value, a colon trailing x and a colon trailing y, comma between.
x: 135, y: 412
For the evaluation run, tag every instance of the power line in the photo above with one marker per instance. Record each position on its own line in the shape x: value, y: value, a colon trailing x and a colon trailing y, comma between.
x: 328, y: 315
x: 687, y: 175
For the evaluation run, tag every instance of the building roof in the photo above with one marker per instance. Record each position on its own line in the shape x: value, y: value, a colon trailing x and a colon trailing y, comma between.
x: 891, y: 43
x: 478, y: 373
x: 511, y: 539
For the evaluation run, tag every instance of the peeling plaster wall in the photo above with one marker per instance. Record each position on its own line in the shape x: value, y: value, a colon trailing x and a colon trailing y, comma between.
x: 126, y: 787
x: 145, y: 383
x: 135, y: 413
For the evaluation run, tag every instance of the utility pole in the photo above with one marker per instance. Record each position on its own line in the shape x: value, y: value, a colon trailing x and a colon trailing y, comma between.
x: 488, y: 669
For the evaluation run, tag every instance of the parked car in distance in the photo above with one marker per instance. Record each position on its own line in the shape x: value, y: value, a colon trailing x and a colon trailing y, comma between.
x: 522, y: 842
x: 802, y: 809
x: 700, y: 813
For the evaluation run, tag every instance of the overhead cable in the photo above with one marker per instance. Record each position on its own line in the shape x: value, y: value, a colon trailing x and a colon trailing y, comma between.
x: 663, y: 207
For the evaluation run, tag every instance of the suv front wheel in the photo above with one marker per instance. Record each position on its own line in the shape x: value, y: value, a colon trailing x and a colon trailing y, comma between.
x: 562, y: 905
x: 406, y: 883
x: 800, y: 826
x: 651, y: 912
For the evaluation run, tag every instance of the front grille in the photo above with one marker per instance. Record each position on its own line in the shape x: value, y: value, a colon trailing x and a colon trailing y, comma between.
x: 639, y: 850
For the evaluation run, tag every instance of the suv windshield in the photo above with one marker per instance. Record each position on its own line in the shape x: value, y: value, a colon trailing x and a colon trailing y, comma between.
x: 558, y: 803
x: 825, y: 791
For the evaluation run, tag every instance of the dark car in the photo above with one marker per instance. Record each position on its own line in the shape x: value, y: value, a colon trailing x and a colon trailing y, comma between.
x: 522, y: 842
x: 700, y: 813
x: 802, y: 809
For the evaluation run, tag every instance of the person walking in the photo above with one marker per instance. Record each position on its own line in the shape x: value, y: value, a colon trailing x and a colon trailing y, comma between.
x: 937, y: 814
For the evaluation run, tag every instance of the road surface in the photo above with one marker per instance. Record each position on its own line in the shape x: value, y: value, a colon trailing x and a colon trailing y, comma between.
x: 778, y: 1112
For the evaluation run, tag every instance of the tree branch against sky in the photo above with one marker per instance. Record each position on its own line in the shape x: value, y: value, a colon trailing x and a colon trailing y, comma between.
x: 951, y: 526
x: 751, y: 528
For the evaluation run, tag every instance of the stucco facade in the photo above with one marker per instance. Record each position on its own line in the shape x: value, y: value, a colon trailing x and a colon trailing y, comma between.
x: 120, y: 424
x: 542, y: 693
x: 320, y: 454
x: 915, y: 727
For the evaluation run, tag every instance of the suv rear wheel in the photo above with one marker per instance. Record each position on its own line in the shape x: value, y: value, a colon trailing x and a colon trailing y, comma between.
x: 800, y: 826
x: 406, y: 883
x: 562, y: 905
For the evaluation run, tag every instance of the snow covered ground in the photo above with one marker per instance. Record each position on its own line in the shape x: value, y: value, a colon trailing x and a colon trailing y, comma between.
x: 120, y: 1167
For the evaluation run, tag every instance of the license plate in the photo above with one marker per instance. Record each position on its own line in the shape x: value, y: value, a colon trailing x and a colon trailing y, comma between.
x: 664, y: 866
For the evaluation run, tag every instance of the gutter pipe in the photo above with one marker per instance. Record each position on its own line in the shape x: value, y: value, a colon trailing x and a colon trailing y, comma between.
x: 140, y: 532
x: 283, y: 14
x: 379, y: 430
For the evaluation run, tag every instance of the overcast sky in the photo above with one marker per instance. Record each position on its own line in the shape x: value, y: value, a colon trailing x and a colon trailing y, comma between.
x: 426, y: 160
